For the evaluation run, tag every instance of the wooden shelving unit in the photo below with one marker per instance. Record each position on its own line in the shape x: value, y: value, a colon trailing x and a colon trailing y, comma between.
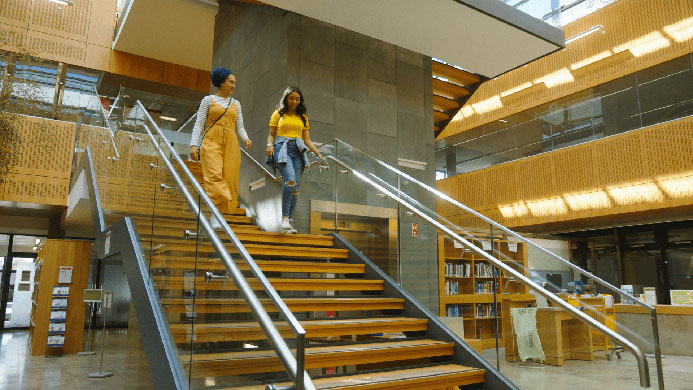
x: 466, y: 284
x: 45, y: 300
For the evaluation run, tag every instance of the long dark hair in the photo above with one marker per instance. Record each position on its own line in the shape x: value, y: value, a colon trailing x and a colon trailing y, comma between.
x: 283, y: 107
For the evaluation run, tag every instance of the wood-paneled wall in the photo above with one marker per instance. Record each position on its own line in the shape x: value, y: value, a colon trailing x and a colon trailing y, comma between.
x: 56, y: 253
x: 82, y: 35
x: 637, y: 34
x: 646, y: 171
x: 42, y: 174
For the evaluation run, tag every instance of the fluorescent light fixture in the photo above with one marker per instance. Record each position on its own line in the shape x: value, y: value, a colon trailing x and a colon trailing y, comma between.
x: 63, y: 2
x: 38, y: 241
x: 584, y: 33
x: 168, y: 118
x: 503, y: 120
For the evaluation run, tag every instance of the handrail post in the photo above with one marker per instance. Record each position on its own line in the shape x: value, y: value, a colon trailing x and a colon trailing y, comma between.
x: 657, y: 348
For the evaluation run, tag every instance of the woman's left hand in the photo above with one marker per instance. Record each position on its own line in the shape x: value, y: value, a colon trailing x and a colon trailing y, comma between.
x: 248, y: 143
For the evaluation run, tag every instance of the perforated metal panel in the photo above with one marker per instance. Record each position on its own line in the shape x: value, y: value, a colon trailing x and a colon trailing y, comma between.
x: 56, y: 48
x: 573, y: 168
x: 47, y: 147
x: 64, y: 21
x: 501, y: 183
x: 535, y: 178
x: 669, y: 148
x: 618, y: 159
x: 13, y: 36
x: 15, y: 12
x: 36, y: 189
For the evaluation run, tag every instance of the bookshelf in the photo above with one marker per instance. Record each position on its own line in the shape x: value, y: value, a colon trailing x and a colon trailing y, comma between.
x: 57, y: 312
x: 466, y: 285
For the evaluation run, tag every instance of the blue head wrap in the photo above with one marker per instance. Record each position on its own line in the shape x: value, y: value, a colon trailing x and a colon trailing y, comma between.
x: 219, y: 75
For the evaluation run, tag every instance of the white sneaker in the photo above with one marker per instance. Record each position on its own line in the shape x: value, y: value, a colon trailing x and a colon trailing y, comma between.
x: 287, y: 228
x: 215, y: 225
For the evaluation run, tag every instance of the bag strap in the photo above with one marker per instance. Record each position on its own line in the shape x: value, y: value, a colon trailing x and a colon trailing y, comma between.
x: 217, y: 120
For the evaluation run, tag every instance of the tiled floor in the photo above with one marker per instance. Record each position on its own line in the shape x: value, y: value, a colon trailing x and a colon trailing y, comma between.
x: 599, y: 373
x: 125, y: 358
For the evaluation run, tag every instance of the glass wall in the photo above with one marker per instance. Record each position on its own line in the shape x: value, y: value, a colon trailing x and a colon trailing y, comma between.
x: 658, y: 94
x: 659, y: 255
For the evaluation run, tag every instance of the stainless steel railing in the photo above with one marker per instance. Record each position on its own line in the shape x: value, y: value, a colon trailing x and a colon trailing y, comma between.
x: 583, y: 272
x: 295, y: 366
x: 639, y: 355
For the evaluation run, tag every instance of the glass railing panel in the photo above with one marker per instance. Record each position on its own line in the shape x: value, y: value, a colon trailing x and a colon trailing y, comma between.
x: 366, y: 216
x: 502, y: 264
x: 224, y: 329
x: 209, y: 313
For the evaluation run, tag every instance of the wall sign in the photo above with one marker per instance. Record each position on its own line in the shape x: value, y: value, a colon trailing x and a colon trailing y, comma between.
x: 65, y: 274
x: 414, y: 230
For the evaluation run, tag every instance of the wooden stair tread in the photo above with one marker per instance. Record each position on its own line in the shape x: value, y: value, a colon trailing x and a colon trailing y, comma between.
x: 182, y: 219
x: 243, y: 331
x: 257, y: 361
x: 439, y: 376
x: 255, y: 250
x: 323, y: 350
x: 179, y: 262
x: 221, y: 305
x: 255, y: 236
x: 279, y: 284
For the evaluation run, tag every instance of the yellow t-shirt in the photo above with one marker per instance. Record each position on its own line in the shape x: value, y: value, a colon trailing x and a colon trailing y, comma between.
x: 290, y: 126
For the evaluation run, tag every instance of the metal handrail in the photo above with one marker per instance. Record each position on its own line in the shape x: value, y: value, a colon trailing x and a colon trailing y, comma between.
x: 639, y: 355
x: 651, y: 309
x: 108, y: 124
x: 294, y: 366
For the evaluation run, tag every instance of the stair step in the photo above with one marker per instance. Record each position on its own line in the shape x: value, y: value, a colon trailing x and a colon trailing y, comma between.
x: 205, y: 264
x: 184, y: 220
x: 258, y: 250
x: 444, y: 376
x: 255, y: 236
x: 255, y: 361
x: 248, y: 331
x: 144, y: 225
x: 279, y: 284
x: 185, y: 305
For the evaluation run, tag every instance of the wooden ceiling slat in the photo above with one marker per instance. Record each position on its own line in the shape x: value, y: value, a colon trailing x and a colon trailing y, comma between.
x: 453, y: 74
x: 439, y: 116
x: 441, y: 103
x: 449, y: 90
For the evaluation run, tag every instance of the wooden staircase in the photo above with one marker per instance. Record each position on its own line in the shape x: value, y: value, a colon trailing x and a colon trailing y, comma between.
x: 356, y: 337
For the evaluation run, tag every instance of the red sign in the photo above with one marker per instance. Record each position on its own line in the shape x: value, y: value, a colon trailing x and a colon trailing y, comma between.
x: 414, y: 230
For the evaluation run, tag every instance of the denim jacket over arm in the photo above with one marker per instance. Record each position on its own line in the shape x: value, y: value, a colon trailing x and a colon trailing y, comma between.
x: 283, y: 155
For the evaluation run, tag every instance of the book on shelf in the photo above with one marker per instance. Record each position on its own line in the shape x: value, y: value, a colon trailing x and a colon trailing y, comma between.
x: 451, y: 287
x: 458, y: 311
x: 485, y: 310
x: 485, y: 270
x: 484, y: 287
x: 458, y: 270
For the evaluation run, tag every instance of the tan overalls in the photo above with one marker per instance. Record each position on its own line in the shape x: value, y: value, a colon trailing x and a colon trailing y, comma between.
x: 220, y: 155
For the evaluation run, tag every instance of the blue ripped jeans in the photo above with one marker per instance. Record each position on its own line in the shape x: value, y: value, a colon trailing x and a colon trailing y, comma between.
x: 291, y: 172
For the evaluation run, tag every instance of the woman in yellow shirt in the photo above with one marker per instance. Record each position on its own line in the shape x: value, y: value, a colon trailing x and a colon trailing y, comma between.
x: 288, y: 140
